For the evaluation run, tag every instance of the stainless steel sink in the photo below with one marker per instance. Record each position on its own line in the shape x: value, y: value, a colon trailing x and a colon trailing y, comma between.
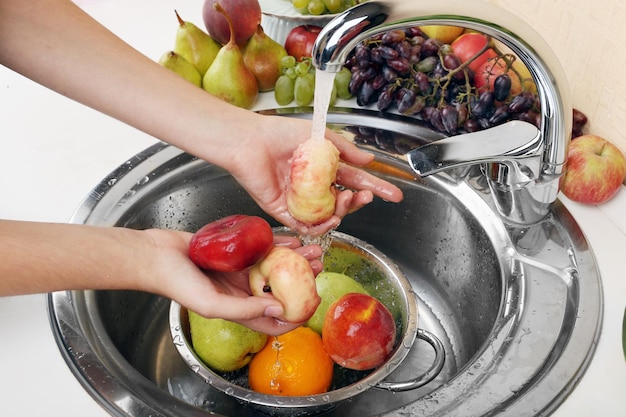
x: 518, y: 308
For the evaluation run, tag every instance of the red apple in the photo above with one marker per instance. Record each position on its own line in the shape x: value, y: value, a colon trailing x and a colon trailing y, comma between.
x: 488, y: 72
x: 231, y: 244
x: 287, y: 276
x: 245, y: 15
x: 359, y: 331
x: 300, y: 40
x: 595, y: 170
x: 468, y: 45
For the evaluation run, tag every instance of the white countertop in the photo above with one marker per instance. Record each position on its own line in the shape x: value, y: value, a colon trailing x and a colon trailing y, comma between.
x: 54, y: 151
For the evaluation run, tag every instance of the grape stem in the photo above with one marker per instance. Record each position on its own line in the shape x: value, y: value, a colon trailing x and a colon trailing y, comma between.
x: 443, y: 82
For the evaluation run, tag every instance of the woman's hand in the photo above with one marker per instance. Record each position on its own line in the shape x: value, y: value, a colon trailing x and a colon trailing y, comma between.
x: 48, y: 257
x: 270, y: 152
x: 218, y: 294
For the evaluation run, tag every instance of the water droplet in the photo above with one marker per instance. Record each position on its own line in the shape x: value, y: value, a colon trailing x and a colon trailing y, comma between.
x: 229, y: 391
x: 274, y: 384
x: 514, y: 389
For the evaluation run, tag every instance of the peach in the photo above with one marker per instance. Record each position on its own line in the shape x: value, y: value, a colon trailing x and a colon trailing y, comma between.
x: 359, y: 332
x: 245, y: 14
x: 311, y: 194
x: 287, y: 276
x: 487, y: 73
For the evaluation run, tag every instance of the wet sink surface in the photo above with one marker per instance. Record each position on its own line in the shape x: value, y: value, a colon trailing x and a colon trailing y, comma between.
x: 517, y: 308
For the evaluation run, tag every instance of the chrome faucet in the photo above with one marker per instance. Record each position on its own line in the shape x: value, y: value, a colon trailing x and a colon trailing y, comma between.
x: 522, y: 164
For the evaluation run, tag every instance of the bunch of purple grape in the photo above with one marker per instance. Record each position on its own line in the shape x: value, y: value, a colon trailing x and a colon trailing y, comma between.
x: 420, y: 76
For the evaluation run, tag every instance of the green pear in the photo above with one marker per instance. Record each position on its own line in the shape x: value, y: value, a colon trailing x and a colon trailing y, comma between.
x: 224, y: 345
x: 228, y: 78
x: 331, y: 286
x: 195, y: 45
x: 262, y: 56
x: 172, y: 61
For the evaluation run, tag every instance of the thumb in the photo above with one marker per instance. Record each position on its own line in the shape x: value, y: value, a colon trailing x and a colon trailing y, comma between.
x: 262, y: 314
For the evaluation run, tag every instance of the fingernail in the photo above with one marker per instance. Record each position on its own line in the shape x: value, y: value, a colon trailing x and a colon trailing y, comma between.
x: 273, y: 311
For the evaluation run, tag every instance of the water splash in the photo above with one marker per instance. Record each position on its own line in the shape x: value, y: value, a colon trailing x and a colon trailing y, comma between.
x: 324, y: 241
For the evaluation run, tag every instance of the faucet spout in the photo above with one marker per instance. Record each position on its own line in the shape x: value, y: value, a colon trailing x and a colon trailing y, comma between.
x: 516, y: 144
x: 532, y: 160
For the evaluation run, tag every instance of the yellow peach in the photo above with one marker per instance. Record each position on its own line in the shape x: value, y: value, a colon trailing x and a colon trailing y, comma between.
x: 311, y: 194
x: 287, y: 276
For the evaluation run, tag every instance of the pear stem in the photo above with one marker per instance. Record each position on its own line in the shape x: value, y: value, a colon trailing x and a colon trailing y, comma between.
x: 220, y: 9
x: 181, y: 22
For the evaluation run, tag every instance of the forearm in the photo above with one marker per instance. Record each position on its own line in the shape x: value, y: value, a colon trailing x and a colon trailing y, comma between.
x: 44, y: 257
x: 57, y: 45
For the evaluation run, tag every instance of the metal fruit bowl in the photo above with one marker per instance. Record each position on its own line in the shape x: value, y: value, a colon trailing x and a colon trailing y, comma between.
x: 383, y: 280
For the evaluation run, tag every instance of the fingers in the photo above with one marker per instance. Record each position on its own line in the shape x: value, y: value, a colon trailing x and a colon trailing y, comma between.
x: 317, y: 266
x: 310, y: 252
x: 258, y: 313
x: 287, y: 241
x: 349, y: 201
x: 348, y: 151
x: 270, y: 326
x: 357, y: 179
x: 319, y: 229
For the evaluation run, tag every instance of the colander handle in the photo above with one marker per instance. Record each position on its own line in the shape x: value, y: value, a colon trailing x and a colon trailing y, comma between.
x: 426, y: 377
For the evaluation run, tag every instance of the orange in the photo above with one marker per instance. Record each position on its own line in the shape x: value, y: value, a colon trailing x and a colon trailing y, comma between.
x: 292, y: 364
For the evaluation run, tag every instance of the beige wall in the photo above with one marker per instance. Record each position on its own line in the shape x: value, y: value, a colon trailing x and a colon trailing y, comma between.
x: 590, y: 40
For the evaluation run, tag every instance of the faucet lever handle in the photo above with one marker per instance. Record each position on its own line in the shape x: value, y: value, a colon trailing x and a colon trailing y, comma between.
x: 514, y: 140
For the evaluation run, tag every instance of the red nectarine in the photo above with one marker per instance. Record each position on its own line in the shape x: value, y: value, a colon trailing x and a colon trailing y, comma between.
x: 359, y: 332
x: 232, y: 243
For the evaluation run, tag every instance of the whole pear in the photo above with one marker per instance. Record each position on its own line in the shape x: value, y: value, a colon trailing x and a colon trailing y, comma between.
x: 262, y: 56
x: 195, y: 45
x: 228, y: 78
x: 224, y: 345
x: 174, y: 62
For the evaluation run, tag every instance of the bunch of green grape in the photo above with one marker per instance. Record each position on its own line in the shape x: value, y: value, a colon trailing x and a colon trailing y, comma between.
x: 297, y: 82
x: 320, y: 7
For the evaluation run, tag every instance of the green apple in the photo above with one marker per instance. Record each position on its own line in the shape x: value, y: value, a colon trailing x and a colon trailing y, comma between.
x: 331, y: 286
x: 224, y: 345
